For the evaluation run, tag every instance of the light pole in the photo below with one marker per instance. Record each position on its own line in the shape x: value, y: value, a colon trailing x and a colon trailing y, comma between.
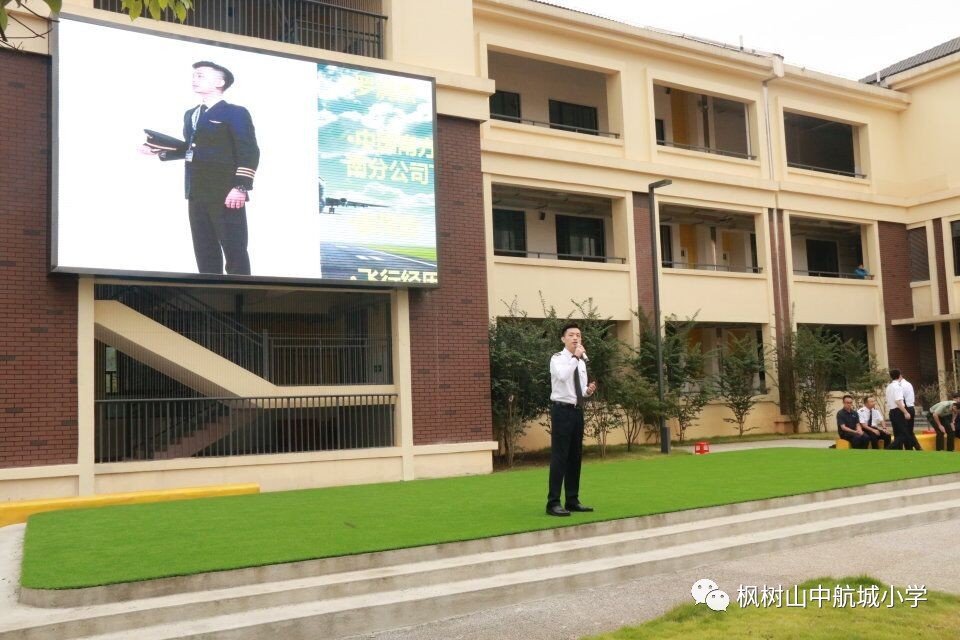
x: 658, y: 341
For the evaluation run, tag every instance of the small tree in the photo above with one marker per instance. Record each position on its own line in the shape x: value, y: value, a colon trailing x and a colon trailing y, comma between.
x: 864, y: 374
x: 686, y: 388
x: 637, y: 396
x: 519, y: 376
x: 602, y: 416
x: 741, y: 362
x: 816, y: 369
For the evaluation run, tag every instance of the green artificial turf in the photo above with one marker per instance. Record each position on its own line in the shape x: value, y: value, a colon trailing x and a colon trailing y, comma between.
x: 933, y: 619
x: 86, y: 547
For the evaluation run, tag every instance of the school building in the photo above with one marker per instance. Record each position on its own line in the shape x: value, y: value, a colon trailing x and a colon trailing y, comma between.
x: 551, y: 125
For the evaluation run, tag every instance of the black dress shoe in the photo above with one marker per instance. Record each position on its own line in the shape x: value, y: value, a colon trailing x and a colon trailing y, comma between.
x: 579, y: 507
x: 557, y: 510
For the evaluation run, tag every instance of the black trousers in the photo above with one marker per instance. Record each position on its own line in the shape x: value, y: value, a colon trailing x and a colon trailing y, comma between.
x: 950, y: 434
x: 219, y: 232
x: 856, y: 440
x: 566, y: 453
x: 876, y: 438
x: 903, y: 436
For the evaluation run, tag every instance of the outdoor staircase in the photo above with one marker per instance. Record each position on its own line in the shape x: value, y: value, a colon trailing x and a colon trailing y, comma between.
x: 358, y: 594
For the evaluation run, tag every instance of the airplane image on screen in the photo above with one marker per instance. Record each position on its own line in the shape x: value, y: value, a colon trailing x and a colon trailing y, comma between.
x: 331, y: 204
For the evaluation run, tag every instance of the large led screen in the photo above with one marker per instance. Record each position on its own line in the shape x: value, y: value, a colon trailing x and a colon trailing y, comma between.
x: 186, y: 159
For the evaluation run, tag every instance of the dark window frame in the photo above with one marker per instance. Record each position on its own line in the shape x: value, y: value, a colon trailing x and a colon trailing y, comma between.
x: 564, y: 235
x: 918, y: 252
x: 579, y: 118
x: 955, y: 237
x: 520, y: 223
x: 498, y: 109
x: 835, y: 263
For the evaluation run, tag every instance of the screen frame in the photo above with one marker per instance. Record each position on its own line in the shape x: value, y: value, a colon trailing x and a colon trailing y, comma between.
x: 173, y: 276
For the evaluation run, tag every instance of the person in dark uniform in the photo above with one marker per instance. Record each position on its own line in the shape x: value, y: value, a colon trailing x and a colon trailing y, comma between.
x: 221, y: 158
x: 569, y: 388
x: 848, y: 425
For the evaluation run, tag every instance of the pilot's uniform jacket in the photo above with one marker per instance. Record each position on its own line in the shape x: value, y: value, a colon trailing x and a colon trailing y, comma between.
x: 221, y: 152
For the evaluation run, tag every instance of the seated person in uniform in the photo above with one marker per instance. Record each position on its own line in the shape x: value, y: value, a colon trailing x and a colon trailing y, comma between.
x: 872, y: 425
x: 942, y: 416
x: 848, y: 425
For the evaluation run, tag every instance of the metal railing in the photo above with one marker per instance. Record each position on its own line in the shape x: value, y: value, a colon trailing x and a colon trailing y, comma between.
x: 327, y: 360
x: 713, y: 150
x: 158, y: 429
x: 284, y: 359
x: 839, y: 172
x: 356, y: 29
x: 832, y: 274
x: 192, y: 318
x: 554, y: 125
x: 701, y: 266
x: 558, y: 256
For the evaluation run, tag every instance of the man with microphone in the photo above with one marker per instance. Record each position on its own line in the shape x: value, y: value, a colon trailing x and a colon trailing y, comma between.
x: 569, y: 388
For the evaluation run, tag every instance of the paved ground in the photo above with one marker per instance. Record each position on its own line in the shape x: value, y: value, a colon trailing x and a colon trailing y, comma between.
x: 764, y: 444
x: 592, y: 611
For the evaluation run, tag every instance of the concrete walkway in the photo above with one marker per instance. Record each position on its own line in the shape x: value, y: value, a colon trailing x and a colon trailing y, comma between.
x: 929, y: 556
x: 795, y: 443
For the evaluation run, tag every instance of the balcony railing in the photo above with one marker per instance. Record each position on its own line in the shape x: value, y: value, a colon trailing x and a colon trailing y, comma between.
x: 558, y: 256
x: 554, y: 125
x: 160, y: 429
x: 701, y: 266
x: 358, y: 29
x: 838, y: 172
x: 713, y: 150
x: 832, y: 274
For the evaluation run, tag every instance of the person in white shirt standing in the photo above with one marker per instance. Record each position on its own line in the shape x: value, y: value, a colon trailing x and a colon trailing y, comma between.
x: 569, y: 389
x: 871, y: 421
x: 900, y: 404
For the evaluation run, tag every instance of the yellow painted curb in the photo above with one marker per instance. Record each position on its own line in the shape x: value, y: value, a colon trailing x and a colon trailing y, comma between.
x: 17, y: 512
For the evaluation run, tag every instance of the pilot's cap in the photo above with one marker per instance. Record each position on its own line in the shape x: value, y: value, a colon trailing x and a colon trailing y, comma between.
x: 227, y: 76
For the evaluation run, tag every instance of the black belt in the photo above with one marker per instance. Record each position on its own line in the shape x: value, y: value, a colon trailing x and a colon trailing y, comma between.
x: 568, y: 405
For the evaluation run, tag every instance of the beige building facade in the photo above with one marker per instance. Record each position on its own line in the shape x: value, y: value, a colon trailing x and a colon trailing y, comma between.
x: 784, y: 181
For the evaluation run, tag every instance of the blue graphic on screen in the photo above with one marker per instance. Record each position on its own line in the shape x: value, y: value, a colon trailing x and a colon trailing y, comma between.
x: 376, y: 176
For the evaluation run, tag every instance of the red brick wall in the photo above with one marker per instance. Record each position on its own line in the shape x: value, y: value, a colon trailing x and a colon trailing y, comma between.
x: 778, y: 270
x: 641, y: 235
x: 897, y: 298
x: 38, y: 313
x: 448, y: 325
x: 941, y: 265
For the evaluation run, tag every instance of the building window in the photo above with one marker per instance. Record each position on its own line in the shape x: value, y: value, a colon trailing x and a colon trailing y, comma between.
x: 700, y: 122
x: 666, y: 246
x: 955, y: 232
x: 823, y: 258
x: 509, y: 232
x: 574, y: 117
x: 821, y: 145
x: 580, y: 238
x: 505, y: 105
x: 917, y: 245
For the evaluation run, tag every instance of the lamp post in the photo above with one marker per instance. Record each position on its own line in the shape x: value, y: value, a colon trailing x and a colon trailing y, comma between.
x: 658, y: 341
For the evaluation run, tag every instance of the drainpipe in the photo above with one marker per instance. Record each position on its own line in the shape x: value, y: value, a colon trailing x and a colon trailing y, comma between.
x: 776, y: 64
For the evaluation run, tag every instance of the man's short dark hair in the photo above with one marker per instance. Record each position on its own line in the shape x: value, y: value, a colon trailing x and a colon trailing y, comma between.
x: 567, y: 327
x: 848, y: 396
x: 894, y: 374
x: 955, y: 394
x: 227, y: 76
x: 867, y: 399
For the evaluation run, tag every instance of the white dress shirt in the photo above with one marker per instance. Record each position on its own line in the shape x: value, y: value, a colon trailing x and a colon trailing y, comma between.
x: 900, y: 390
x: 562, y: 366
x: 909, y: 398
x: 864, y: 414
